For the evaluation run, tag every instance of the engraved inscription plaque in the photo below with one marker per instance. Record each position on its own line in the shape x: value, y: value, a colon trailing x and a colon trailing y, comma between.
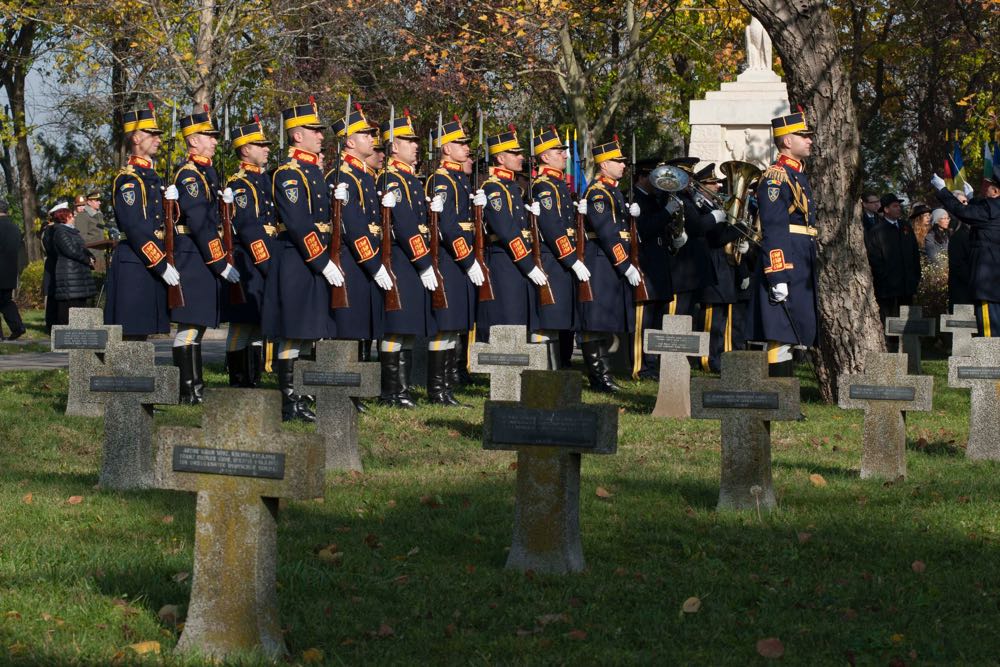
x: 231, y: 462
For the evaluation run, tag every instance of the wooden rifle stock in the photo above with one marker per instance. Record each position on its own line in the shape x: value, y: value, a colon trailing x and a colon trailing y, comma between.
x: 639, y: 292
x: 584, y: 294
x: 175, y: 295
x: 439, y: 298
x: 392, y: 302
x: 338, y: 295
x: 486, y: 289
x: 545, y: 296
x: 236, y: 294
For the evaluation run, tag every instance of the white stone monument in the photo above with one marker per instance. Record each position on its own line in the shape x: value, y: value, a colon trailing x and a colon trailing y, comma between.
x: 734, y: 123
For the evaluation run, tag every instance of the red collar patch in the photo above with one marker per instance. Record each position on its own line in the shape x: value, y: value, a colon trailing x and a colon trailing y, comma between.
x: 355, y: 162
x: 502, y: 174
x: 608, y: 181
x: 401, y: 166
x: 792, y: 163
x: 549, y: 171
x: 200, y: 160
x: 250, y: 168
x: 303, y: 156
x: 451, y: 166
x: 139, y: 161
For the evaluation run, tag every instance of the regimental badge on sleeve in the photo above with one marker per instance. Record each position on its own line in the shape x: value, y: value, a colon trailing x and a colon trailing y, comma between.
x: 599, y: 206
x: 518, y: 250
x: 461, y: 248
x: 565, y: 247
x: 152, y: 252
x: 215, y: 250
x: 620, y: 255
x: 241, y: 198
x: 129, y: 197
x: 364, y: 248
x: 773, y: 193
x: 259, y: 250
x: 191, y: 185
x: 313, y: 245
x: 417, y: 246
x: 546, y: 202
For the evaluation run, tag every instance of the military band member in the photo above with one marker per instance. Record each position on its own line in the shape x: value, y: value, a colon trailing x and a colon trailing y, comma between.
x: 255, y: 252
x: 198, y: 251
x: 612, y: 276
x: 353, y: 183
x: 452, y: 196
x: 297, y: 291
x: 557, y: 226
x: 411, y: 264
x: 508, y: 256
x: 783, y: 307
x: 691, y: 269
x: 139, y: 272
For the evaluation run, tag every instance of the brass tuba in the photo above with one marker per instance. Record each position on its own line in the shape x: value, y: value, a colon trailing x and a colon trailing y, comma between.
x: 741, y: 177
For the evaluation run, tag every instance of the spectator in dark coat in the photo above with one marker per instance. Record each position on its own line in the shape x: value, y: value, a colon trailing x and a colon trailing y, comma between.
x: 12, y: 262
x: 894, y: 258
x: 870, y: 204
x: 936, y: 243
x: 73, y: 283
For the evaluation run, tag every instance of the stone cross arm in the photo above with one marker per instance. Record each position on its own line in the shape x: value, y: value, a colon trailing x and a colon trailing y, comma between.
x: 744, y: 391
x: 336, y: 371
x: 130, y: 376
x: 885, y: 381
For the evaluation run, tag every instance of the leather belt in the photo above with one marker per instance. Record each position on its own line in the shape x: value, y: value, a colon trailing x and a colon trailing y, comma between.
x: 159, y: 233
x: 625, y: 235
x: 525, y: 233
x: 182, y: 229
x: 467, y: 226
x: 423, y: 229
x: 320, y: 226
x: 270, y: 230
x: 803, y: 229
x: 571, y: 232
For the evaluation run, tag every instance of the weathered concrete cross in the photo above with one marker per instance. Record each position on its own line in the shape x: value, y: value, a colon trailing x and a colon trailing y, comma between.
x: 980, y: 372
x: 85, y: 338
x: 910, y: 327
x: 961, y: 324
x: 675, y: 342
x: 504, y: 357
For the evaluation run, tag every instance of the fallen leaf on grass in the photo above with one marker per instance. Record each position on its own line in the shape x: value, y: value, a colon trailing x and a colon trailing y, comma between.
x: 28, y: 498
x: 167, y: 519
x: 413, y: 552
x: 603, y: 493
x: 401, y: 580
x: 16, y: 615
x: 385, y: 630
x: 546, y: 619
x: 371, y: 540
x: 432, y: 502
x: 312, y: 656
x: 168, y: 614
x: 74, y: 500
x: 919, y: 566
x: 450, y: 630
x: 512, y: 466
x: 897, y: 638
x: 579, y: 635
x: 770, y: 647
x: 143, y: 648
x: 804, y: 537
x: 180, y: 576
x: 817, y: 479
x: 691, y: 605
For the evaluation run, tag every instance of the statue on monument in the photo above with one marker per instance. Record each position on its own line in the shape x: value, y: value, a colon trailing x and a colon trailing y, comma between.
x: 758, y: 47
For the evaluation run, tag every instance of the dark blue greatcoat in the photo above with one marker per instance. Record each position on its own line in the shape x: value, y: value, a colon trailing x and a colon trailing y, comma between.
x: 198, y: 252
x: 607, y: 252
x: 787, y: 255
x: 255, y: 244
x: 137, y: 295
x: 456, y: 255
x: 655, y: 242
x: 556, y: 222
x: 296, y: 295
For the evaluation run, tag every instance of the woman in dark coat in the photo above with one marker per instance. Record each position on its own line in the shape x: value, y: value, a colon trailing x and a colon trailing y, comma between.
x: 49, y: 268
x: 74, y: 284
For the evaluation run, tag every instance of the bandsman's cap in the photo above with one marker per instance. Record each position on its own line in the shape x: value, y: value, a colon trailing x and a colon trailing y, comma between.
x: 199, y: 122
x: 684, y: 162
x: 793, y: 123
x: 609, y: 151
x: 94, y: 194
x: 402, y: 128
x: 249, y: 134
x: 451, y: 132
x: 303, y: 115
x: 141, y: 119
x: 546, y: 139
x: 355, y: 123
x: 505, y: 141
x: 707, y: 174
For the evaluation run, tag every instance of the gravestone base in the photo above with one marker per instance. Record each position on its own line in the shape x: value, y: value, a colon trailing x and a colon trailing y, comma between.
x: 984, y: 428
x: 234, y: 600
x: 340, y: 435
x: 546, y: 517
x: 128, y: 464
x: 884, y: 455
x: 746, y: 463
x: 673, y: 399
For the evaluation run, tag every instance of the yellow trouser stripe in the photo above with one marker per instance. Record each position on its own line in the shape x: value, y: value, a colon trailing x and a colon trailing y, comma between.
x: 727, y: 345
x: 637, y: 342
x: 772, y: 351
x: 269, y: 356
x: 986, y: 320
x: 708, y: 327
x: 672, y: 309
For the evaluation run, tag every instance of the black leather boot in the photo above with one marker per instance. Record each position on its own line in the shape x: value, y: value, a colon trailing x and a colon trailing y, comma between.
x: 405, y: 369
x: 198, y: 381
x: 598, y: 370
x: 255, y: 364
x: 437, y: 371
x: 552, y: 347
x: 365, y: 350
x: 609, y: 380
x: 782, y: 369
x: 184, y: 360
x: 236, y: 362
x: 292, y: 405
x: 451, y: 372
x: 393, y: 383
x: 459, y: 372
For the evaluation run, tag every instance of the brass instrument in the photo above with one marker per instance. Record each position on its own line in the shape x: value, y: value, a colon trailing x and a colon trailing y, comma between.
x: 741, y: 178
x: 670, y: 179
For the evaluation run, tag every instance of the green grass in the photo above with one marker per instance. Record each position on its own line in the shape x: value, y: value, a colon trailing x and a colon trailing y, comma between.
x: 830, y: 572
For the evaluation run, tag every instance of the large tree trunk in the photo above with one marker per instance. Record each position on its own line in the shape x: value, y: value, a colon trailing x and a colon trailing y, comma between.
x: 805, y: 37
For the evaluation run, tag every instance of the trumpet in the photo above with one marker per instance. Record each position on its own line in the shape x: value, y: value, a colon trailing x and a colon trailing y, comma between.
x: 671, y: 179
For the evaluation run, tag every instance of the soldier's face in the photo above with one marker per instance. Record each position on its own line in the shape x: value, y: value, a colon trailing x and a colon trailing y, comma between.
x: 406, y: 150
x: 456, y: 152
x: 799, y: 146
x: 203, y: 144
x: 555, y: 158
x: 310, y: 140
x: 376, y: 159
x: 613, y: 169
x: 146, y: 144
x: 511, y: 161
x: 362, y: 144
x: 256, y: 154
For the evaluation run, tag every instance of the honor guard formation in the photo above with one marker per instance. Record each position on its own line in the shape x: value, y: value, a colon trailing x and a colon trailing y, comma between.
x: 373, y: 243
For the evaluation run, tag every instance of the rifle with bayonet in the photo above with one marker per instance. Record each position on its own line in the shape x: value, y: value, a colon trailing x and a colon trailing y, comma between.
x: 171, y: 212
x: 236, y: 295
x: 338, y: 295
x: 584, y: 292
x: 486, y: 289
x: 639, y: 293
x: 545, y: 296
x: 392, y: 302
x: 439, y: 298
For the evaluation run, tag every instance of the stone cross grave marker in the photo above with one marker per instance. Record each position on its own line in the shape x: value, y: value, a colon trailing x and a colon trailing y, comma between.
x: 128, y: 384
x: 333, y: 378
x: 980, y: 372
x: 549, y: 428
x: 961, y: 324
x: 675, y: 342
x: 884, y: 391
x: 746, y: 400
x: 240, y: 463
x: 84, y: 338
x: 504, y: 357
x: 910, y: 327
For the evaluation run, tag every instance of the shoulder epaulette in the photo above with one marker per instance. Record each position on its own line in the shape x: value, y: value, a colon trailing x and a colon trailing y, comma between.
x: 776, y: 173
x: 127, y: 170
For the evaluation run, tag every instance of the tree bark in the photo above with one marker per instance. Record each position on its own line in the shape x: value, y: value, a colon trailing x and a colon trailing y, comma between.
x: 804, y: 35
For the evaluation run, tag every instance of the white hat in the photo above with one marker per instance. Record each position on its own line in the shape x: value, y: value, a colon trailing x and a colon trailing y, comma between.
x: 58, y: 207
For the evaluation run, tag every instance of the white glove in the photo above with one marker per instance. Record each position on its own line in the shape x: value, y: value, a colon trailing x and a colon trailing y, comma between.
x: 743, y: 247
x: 475, y: 274
x: 227, y: 196
x: 388, y: 200
x: 340, y: 193
x: 937, y: 182
x: 333, y: 274
x: 428, y: 278
x: 968, y: 189
x: 581, y: 271
x: 437, y: 203
x: 634, y: 210
x: 632, y: 275
x: 231, y: 274
x: 779, y: 292
x: 745, y: 284
x: 581, y: 207
x: 534, y: 209
x: 680, y: 241
x: 382, y: 279
x: 720, y: 216
x: 171, y: 193
x: 537, y: 276
x: 171, y: 276
x: 479, y: 199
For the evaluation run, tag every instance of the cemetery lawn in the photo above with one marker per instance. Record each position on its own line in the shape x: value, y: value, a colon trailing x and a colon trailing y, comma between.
x: 404, y: 564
